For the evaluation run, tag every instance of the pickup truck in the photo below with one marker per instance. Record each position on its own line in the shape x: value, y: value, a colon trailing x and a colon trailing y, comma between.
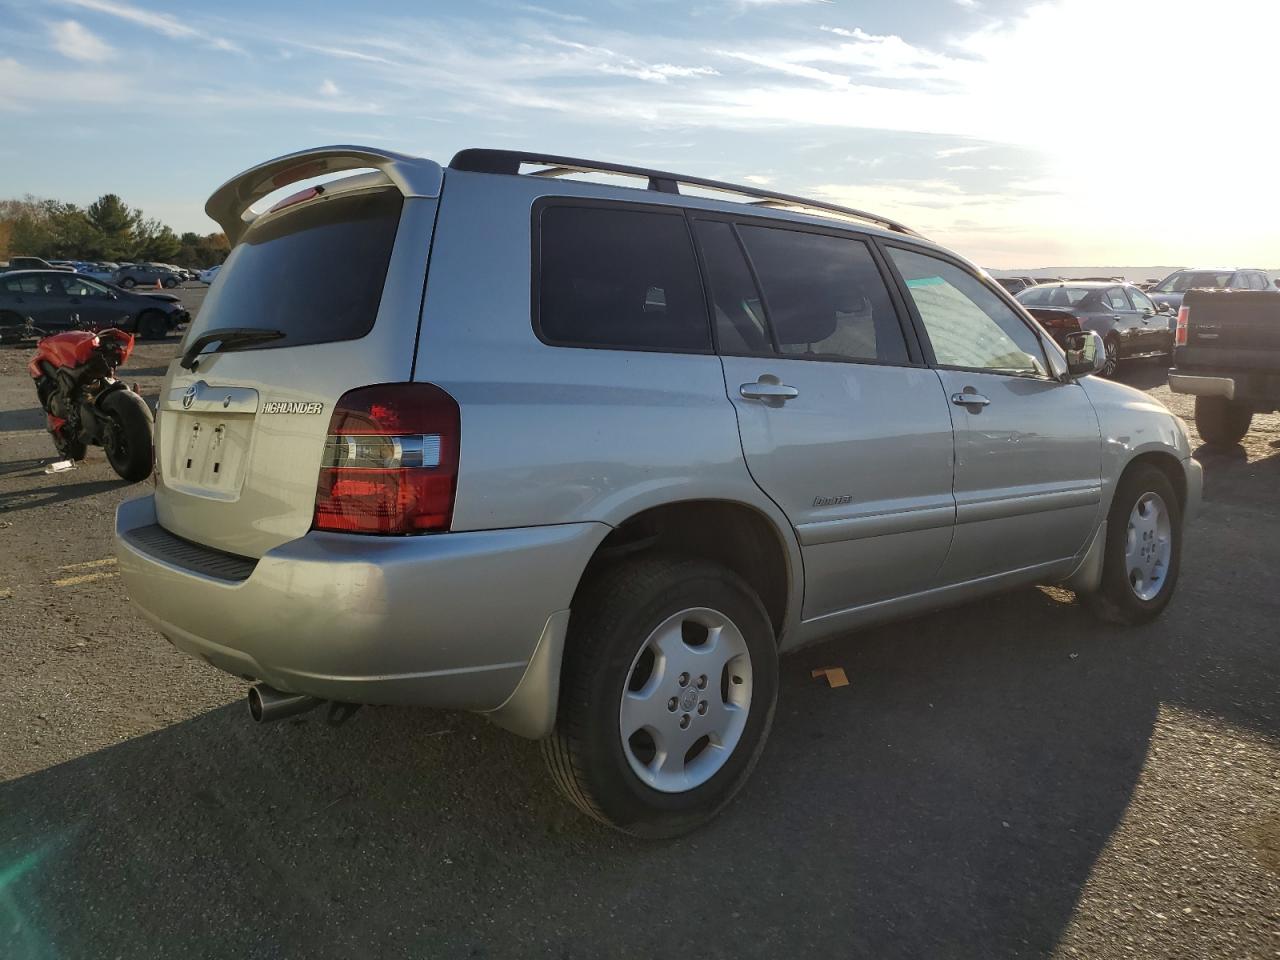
x: 1227, y: 354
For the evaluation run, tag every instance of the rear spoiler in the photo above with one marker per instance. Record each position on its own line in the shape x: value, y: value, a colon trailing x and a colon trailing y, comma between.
x: 229, y: 205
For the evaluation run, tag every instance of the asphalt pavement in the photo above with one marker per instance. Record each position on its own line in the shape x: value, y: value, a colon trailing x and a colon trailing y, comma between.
x: 1007, y: 779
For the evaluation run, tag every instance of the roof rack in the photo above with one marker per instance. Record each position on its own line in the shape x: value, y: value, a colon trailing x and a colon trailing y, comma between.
x: 509, y: 161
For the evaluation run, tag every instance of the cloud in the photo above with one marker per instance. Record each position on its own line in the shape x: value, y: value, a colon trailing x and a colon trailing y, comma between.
x: 329, y: 89
x: 548, y: 12
x: 74, y: 41
x: 758, y: 180
x: 60, y: 85
x: 342, y: 53
x: 604, y: 60
x: 161, y: 23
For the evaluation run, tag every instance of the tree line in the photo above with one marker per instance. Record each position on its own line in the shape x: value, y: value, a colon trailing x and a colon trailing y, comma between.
x: 107, y: 229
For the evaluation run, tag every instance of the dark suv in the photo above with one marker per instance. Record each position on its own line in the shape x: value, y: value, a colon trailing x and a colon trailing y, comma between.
x: 53, y: 301
x: 146, y: 275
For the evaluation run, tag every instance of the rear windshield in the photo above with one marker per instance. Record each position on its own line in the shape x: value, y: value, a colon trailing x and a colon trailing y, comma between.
x: 316, y: 273
x: 1182, y: 282
x: 1053, y: 296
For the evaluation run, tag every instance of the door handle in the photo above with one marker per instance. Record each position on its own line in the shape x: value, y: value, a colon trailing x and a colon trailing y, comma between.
x: 768, y: 390
x: 969, y: 400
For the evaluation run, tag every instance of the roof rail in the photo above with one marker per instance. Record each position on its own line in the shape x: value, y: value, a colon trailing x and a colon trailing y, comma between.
x: 509, y: 161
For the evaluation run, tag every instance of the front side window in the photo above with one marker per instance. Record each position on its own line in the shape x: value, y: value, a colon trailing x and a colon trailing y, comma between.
x: 824, y: 296
x: 75, y: 286
x: 618, y: 278
x: 1141, y: 301
x: 968, y: 325
x: 1115, y: 299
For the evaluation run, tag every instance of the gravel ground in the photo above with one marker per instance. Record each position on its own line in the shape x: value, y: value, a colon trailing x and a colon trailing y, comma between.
x: 1008, y: 779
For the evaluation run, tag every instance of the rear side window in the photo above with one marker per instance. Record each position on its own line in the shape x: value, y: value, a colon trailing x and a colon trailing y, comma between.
x: 23, y: 285
x: 316, y: 272
x: 618, y: 278
x: 824, y: 296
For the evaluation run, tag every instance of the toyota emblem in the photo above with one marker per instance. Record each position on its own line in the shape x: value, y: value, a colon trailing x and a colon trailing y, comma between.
x: 189, y: 396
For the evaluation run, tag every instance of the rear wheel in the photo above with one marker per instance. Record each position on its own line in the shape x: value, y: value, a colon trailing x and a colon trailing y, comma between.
x: 668, y: 692
x: 11, y: 326
x: 153, y: 326
x: 1143, y: 552
x: 128, y: 283
x: 170, y: 282
x: 127, y: 434
x: 1112, y: 364
x: 1222, y: 422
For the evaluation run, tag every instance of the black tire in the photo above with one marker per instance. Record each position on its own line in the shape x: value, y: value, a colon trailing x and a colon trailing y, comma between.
x: 128, y: 283
x: 1112, y: 367
x: 1116, y: 600
x: 127, y: 434
x: 612, y: 619
x: 152, y: 325
x: 170, y: 282
x: 1222, y: 422
x: 11, y: 327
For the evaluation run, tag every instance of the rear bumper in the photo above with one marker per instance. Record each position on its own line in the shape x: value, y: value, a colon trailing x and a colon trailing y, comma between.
x: 1202, y: 386
x: 451, y: 620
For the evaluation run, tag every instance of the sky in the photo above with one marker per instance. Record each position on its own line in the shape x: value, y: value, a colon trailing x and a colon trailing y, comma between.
x: 1062, y: 132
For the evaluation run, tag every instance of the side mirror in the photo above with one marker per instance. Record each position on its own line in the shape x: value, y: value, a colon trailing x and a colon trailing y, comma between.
x: 1164, y: 308
x: 1086, y: 353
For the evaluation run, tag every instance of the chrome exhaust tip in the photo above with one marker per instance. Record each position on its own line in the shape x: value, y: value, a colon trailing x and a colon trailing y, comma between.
x: 267, y: 703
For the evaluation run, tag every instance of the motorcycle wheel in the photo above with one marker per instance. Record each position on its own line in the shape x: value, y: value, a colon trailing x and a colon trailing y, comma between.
x: 127, y: 435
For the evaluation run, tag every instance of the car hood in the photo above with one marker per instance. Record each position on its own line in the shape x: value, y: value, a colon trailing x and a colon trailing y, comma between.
x: 166, y: 297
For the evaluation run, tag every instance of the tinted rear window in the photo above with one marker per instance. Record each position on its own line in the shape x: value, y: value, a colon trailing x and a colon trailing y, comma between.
x: 316, y: 272
x: 1189, y: 280
x: 610, y: 277
x: 1054, y: 296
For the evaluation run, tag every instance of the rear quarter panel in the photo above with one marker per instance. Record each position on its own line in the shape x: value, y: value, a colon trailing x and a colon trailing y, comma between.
x: 563, y: 434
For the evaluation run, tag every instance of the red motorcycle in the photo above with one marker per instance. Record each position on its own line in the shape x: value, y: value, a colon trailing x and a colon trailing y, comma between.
x: 85, y: 404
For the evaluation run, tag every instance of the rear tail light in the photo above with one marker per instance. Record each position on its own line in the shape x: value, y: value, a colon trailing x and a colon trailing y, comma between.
x: 1180, y: 331
x: 390, y: 461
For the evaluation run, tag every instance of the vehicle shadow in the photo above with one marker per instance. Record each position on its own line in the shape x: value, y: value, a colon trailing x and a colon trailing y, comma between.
x: 31, y: 418
x: 49, y: 492
x: 950, y: 801
x: 1144, y: 374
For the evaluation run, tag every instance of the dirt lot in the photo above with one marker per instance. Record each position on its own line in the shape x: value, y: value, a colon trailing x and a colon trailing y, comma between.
x: 1004, y: 780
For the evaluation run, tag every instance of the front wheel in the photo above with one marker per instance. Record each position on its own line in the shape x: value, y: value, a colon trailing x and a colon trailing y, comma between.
x: 170, y: 282
x: 153, y: 326
x: 127, y: 435
x: 1222, y: 422
x: 1143, y: 550
x: 668, y: 691
x: 128, y: 283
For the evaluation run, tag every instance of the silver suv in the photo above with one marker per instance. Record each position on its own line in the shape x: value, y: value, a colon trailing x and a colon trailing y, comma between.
x: 586, y: 457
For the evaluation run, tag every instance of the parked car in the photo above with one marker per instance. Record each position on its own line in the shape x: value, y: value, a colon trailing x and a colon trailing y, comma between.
x: 96, y: 270
x: 1228, y: 357
x: 1130, y: 324
x: 1014, y: 285
x: 1171, y: 289
x: 208, y: 276
x: 53, y: 301
x: 528, y: 494
x: 145, y: 274
x: 33, y: 263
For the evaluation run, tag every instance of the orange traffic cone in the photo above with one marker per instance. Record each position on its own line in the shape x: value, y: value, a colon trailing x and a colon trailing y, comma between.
x: 158, y: 287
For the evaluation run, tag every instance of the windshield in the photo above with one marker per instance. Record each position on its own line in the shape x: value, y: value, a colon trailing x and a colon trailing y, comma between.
x: 315, y: 272
x: 1185, y: 280
x: 1053, y: 296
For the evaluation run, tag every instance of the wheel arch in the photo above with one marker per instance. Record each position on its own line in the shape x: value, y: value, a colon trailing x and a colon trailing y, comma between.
x: 1166, y: 463
x: 737, y: 535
